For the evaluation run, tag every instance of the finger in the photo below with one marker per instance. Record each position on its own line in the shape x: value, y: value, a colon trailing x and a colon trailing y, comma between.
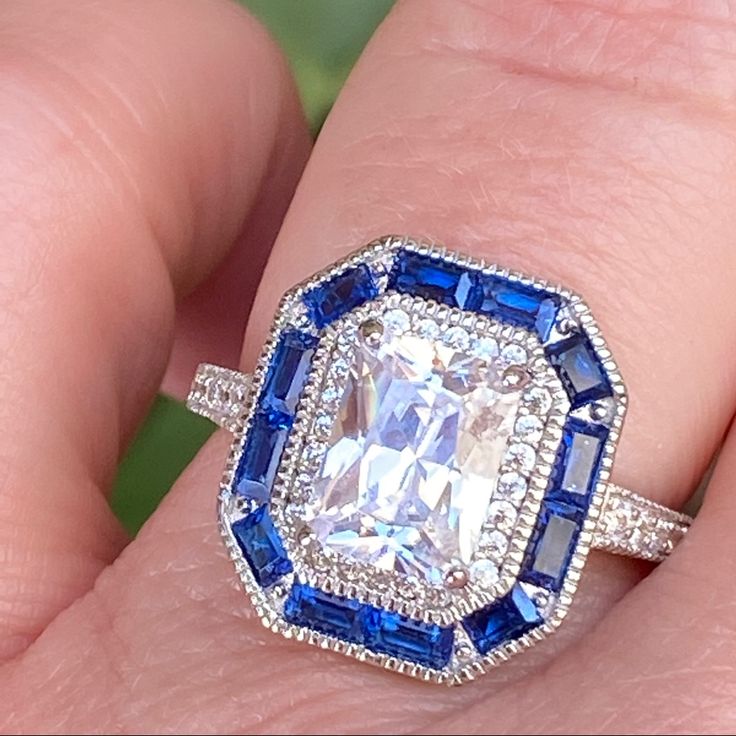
x: 518, y: 155
x: 129, y: 168
x: 616, y: 193
x: 513, y: 133
x: 210, y: 321
x: 667, y: 651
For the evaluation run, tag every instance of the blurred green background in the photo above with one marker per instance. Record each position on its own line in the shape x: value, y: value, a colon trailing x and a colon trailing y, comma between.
x: 322, y: 39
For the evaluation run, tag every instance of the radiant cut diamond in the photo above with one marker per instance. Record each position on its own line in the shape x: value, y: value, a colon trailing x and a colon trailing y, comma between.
x: 414, y: 455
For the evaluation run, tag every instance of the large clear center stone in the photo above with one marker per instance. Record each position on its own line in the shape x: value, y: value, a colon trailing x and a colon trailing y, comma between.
x: 414, y: 455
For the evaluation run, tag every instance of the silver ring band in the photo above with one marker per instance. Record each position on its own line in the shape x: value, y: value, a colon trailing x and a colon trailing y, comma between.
x: 629, y: 524
x: 421, y: 461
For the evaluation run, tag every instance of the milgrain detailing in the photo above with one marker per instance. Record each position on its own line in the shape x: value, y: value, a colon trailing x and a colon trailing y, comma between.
x: 421, y: 461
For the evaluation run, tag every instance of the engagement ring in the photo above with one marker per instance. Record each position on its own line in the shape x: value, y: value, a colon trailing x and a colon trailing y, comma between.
x: 421, y: 461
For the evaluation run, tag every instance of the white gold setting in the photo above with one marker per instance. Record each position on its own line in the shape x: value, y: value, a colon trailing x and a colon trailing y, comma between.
x: 637, y: 527
x: 616, y: 520
x: 219, y: 394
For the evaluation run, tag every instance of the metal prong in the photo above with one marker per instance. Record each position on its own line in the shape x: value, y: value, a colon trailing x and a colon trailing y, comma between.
x: 371, y: 330
x: 305, y: 536
x: 456, y: 577
x: 514, y: 378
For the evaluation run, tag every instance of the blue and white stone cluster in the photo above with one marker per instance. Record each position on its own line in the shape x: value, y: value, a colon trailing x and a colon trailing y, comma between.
x: 262, y: 508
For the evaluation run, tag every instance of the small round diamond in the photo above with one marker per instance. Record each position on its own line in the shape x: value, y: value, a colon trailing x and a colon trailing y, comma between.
x: 457, y: 337
x: 484, y: 572
x: 529, y: 428
x: 340, y: 366
x: 314, y: 452
x: 543, y: 599
x: 244, y: 505
x: 494, y: 544
x: 564, y: 324
x: 538, y: 399
x: 502, y: 515
x: 634, y: 536
x: 323, y: 423
x: 653, y: 543
x: 486, y: 347
x: 512, y: 486
x: 346, y: 337
x: 428, y: 329
x: 396, y: 320
x: 304, y: 479
x: 212, y: 391
x: 305, y: 536
x: 521, y: 455
x: 329, y: 394
x: 513, y: 354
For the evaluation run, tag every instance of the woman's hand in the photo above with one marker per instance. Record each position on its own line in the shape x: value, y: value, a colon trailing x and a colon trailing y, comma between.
x: 149, y: 151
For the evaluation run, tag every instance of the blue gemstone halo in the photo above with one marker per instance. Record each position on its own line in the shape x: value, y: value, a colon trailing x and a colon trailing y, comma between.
x: 398, y: 348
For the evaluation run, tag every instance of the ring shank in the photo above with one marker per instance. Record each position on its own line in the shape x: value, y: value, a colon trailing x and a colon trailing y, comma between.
x: 628, y: 524
x: 634, y: 526
x: 219, y: 394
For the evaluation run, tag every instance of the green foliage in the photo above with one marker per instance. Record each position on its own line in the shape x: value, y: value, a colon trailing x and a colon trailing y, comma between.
x: 322, y: 39
x: 168, y: 440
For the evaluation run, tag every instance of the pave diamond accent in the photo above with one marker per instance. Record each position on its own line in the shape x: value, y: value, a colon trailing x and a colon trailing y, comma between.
x: 455, y: 582
x: 553, y: 546
x: 632, y: 525
x: 220, y: 394
x: 414, y: 455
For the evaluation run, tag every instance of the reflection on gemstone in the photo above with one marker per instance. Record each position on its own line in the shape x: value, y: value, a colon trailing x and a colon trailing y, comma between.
x: 583, y: 452
x: 554, y: 543
x: 413, y: 457
x: 507, y: 619
x: 579, y: 369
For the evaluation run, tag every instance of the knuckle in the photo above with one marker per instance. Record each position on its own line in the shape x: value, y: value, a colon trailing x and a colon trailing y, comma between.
x: 658, y: 50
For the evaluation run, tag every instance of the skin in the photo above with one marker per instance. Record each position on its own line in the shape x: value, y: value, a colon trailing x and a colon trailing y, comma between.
x: 150, y: 151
